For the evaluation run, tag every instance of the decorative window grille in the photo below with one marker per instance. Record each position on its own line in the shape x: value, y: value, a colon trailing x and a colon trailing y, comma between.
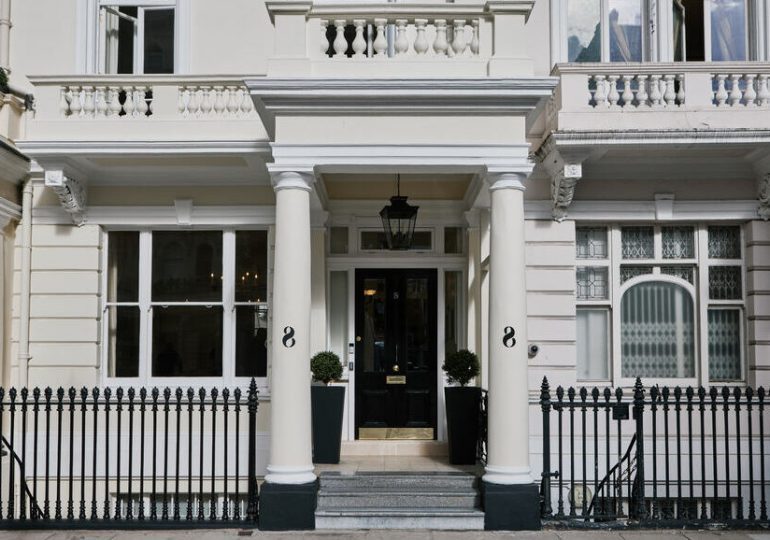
x: 678, y: 242
x: 682, y: 272
x: 592, y: 283
x: 724, y: 242
x: 630, y: 272
x: 591, y: 242
x: 725, y: 283
x: 724, y: 343
x: 638, y: 242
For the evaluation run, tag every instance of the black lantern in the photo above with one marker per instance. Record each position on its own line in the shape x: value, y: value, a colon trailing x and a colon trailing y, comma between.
x: 398, y: 220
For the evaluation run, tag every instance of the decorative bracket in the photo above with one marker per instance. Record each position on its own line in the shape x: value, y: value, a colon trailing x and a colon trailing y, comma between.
x: 563, y: 182
x: 71, y: 193
x: 764, y: 197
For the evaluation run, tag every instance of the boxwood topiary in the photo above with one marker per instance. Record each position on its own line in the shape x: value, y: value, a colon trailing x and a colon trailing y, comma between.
x: 326, y: 367
x: 461, y: 367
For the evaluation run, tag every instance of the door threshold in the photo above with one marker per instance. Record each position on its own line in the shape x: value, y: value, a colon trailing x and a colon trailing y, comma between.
x: 394, y: 447
x: 398, y: 433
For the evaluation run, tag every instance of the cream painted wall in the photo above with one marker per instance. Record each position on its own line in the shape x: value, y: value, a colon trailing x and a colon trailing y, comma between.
x: 758, y: 302
x: 536, y: 32
x: 43, y: 36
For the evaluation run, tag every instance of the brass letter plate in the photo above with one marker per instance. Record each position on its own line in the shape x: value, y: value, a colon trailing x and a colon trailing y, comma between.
x: 395, y: 379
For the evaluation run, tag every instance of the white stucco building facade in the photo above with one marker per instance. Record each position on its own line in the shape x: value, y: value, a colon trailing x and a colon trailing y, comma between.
x: 200, y: 184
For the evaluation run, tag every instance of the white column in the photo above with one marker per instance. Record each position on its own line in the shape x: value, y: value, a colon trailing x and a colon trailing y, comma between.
x: 508, y: 433
x: 291, y: 459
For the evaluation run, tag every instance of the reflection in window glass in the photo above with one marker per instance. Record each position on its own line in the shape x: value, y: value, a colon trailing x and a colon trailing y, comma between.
x: 728, y: 30
x: 123, y: 341
x: 251, y: 266
x: 376, y: 240
x: 583, y: 31
x: 374, y: 325
x: 251, y: 341
x: 187, y: 266
x: 338, y: 240
x: 625, y: 30
x: 159, y: 41
x: 123, y: 267
x: 338, y: 313
x: 453, y: 240
x: 593, y: 344
x: 187, y: 341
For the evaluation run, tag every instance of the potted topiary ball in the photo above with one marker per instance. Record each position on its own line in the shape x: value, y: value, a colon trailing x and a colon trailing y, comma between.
x: 328, y: 403
x: 462, y: 406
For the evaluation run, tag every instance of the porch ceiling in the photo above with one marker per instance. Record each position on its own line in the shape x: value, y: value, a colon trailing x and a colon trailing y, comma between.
x: 452, y: 187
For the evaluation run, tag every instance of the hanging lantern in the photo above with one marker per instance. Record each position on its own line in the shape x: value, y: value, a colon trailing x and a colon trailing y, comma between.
x: 398, y: 220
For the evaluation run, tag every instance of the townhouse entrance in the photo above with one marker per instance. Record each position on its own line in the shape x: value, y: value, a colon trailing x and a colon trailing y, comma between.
x: 395, y: 351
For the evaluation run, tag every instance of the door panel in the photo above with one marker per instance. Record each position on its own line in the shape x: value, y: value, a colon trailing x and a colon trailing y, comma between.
x: 396, y: 364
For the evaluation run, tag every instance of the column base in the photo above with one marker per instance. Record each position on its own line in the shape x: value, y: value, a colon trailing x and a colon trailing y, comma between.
x: 287, y: 507
x: 511, y: 507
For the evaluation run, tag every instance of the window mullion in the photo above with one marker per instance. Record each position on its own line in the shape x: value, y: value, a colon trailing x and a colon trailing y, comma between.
x: 707, y: 30
x: 139, y: 41
x: 616, y: 253
x: 605, y: 30
x: 703, y: 302
x: 228, y: 305
x: 145, y: 312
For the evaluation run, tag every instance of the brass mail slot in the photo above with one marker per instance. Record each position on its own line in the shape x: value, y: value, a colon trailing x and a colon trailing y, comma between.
x: 395, y: 379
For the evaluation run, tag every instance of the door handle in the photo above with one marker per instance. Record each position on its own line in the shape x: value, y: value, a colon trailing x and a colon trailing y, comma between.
x: 396, y: 369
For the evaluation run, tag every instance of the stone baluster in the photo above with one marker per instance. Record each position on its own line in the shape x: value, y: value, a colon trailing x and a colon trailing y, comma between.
x: 628, y: 94
x: 247, y: 106
x: 641, y: 93
x: 182, y: 101
x: 324, y: 39
x: 613, y: 96
x: 600, y: 93
x: 459, y: 43
x: 64, y: 100
x: 440, y: 44
x: 76, y: 106
x: 475, y: 38
x: 88, y: 101
x: 655, y: 95
x: 720, y: 96
x: 194, y: 102
x: 149, y: 98
x: 750, y: 95
x: 129, y: 106
x: 420, y: 40
x: 402, y: 42
x: 380, y: 44
x: 142, y: 101
x: 763, y: 92
x: 113, y: 105
x: 359, y: 43
x: 735, y: 90
x: 680, y: 94
x: 100, y: 102
x: 670, y: 93
x: 232, y: 100
x: 219, y: 101
x: 205, y: 101
x: 340, y: 44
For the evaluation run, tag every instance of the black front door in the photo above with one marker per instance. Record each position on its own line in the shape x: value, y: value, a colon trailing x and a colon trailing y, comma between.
x: 396, y: 354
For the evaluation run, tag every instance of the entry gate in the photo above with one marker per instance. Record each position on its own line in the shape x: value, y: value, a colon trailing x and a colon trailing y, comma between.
x: 128, y: 459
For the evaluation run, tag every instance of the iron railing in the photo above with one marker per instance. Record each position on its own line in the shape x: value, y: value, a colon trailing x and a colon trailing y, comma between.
x: 128, y: 458
x: 666, y: 457
x: 481, y: 444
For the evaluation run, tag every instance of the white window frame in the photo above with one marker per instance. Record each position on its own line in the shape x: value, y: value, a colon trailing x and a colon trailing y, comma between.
x: 90, y: 51
x: 146, y: 308
x: 699, y: 291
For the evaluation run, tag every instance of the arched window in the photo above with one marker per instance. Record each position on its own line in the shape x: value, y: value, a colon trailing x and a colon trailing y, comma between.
x: 657, y: 330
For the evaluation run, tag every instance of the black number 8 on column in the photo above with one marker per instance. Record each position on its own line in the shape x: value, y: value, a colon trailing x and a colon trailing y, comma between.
x: 508, y: 337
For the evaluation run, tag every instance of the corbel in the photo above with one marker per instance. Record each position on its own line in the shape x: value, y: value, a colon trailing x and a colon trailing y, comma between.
x: 764, y: 197
x: 563, y: 182
x: 71, y: 193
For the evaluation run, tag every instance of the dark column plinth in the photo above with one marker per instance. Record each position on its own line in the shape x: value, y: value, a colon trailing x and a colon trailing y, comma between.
x: 511, y: 507
x: 287, y: 507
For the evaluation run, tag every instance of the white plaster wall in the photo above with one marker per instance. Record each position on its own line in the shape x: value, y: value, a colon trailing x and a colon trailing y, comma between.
x: 43, y: 36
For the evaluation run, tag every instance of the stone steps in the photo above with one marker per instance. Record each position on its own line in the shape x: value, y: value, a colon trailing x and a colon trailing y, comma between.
x: 398, y: 500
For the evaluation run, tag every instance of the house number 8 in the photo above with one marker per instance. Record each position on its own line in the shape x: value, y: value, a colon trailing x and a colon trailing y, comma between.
x: 508, y: 339
x: 288, y: 337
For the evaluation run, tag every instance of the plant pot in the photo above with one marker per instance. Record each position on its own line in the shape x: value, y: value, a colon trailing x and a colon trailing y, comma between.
x: 328, y: 404
x: 462, y: 419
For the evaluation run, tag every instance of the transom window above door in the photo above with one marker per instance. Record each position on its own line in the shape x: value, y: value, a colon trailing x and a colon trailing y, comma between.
x: 137, y: 37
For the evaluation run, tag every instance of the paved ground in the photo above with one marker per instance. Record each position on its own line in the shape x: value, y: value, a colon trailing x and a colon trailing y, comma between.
x: 386, y: 535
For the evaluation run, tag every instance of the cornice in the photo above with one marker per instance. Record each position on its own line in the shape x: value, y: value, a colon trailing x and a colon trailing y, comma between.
x: 14, y: 166
x: 44, y: 148
x: 561, y: 139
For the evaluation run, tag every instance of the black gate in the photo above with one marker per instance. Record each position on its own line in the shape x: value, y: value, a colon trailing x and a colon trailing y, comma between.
x: 128, y: 459
x: 666, y: 457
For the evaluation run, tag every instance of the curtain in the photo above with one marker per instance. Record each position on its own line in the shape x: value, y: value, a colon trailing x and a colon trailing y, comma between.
x: 657, y: 331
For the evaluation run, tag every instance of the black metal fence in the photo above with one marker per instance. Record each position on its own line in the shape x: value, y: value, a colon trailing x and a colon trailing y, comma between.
x: 481, y: 443
x: 121, y: 459
x: 665, y: 457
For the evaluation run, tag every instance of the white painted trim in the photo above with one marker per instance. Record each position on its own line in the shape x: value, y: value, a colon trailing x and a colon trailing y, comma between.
x: 208, y: 217
x: 286, y: 474
x: 629, y: 211
x: 83, y: 148
x: 507, y: 475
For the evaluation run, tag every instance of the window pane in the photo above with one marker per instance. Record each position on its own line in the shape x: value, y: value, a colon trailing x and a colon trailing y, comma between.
x: 725, y: 283
x: 725, y: 242
x: 637, y: 242
x: 186, y: 266
x: 593, y: 344
x: 453, y: 240
x: 338, y: 240
x: 375, y: 240
x: 123, y: 341
x: 123, y: 267
x: 159, y: 41
x: 630, y: 272
x: 591, y: 242
x: 728, y: 30
x: 657, y: 337
x: 187, y: 341
x: 375, y: 321
x: 625, y: 28
x: 678, y: 242
x: 125, y: 40
x: 251, y: 341
x: 583, y: 31
x: 452, y: 311
x: 592, y: 283
x: 724, y: 344
x: 338, y: 313
x: 682, y: 272
x: 251, y: 266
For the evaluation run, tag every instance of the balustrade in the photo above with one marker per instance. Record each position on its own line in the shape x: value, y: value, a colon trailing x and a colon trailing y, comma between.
x: 630, y: 91
x: 385, y: 38
x: 215, y: 101
x: 125, y: 101
x: 741, y: 89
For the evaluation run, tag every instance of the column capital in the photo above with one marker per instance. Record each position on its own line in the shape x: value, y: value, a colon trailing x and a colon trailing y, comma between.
x: 292, y: 180
x: 506, y: 180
